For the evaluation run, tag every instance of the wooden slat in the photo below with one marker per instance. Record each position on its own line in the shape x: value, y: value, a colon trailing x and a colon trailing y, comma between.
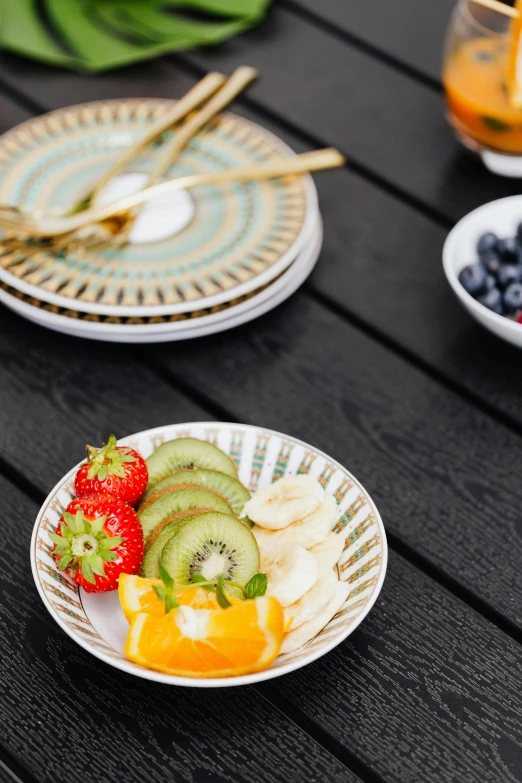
x: 65, y: 715
x: 381, y: 259
x: 425, y: 690
x: 411, y: 34
x: 383, y: 120
x: 59, y: 392
x: 423, y: 453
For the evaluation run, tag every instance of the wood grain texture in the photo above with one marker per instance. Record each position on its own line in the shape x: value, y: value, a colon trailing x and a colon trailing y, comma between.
x: 58, y: 393
x: 425, y: 690
x: 381, y: 119
x: 381, y: 259
x: 66, y: 715
x: 413, y: 34
x: 393, y: 126
x: 424, y: 454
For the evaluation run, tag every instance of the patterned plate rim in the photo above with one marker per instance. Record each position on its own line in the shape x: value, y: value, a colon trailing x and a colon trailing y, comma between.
x: 267, y: 674
x: 210, y: 301
x: 203, y: 317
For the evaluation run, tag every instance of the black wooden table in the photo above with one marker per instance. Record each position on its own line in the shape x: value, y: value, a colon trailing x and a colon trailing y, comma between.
x: 374, y: 362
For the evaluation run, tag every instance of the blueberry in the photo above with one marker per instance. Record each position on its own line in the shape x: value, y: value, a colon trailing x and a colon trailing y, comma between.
x: 508, y: 249
x: 492, y: 300
x: 490, y: 261
x: 509, y: 273
x: 513, y: 297
x: 491, y: 282
x: 473, y: 279
x: 519, y: 233
x: 487, y: 242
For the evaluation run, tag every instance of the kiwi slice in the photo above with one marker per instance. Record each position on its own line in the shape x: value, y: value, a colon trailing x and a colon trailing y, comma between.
x: 229, y: 488
x: 150, y: 562
x: 177, y: 505
x: 185, y: 453
x: 211, y: 544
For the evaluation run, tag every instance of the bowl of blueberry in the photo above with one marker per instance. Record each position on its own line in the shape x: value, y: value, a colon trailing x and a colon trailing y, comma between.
x: 482, y: 259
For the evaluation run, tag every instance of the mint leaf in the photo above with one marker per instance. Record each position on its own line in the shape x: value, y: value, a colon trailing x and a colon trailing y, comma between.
x: 160, y: 592
x: 170, y: 602
x: 496, y: 125
x: 166, y: 578
x: 256, y: 587
x: 220, y: 594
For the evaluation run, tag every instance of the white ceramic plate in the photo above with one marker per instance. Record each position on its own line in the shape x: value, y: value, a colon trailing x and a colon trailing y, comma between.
x: 96, y: 622
x: 235, y: 239
x: 233, y: 316
x: 502, y: 217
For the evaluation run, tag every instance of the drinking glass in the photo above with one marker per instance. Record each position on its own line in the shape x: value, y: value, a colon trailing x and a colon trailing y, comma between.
x: 475, y: 76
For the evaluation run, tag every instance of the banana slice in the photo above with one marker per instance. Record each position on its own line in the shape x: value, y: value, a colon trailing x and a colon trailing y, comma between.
x: 307, y: 532
x: 314, y: 600
x: 307, y: 631
x: 290, y: 569
x: 285, y: 501
x: 329, y: 551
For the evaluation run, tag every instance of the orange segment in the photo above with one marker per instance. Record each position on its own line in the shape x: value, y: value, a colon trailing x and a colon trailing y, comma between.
x: 136, y: 595
x: 190, y: 642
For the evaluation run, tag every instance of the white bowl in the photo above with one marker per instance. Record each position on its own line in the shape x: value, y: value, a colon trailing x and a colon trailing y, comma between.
x: 96, y: 622
x: 460, y: 249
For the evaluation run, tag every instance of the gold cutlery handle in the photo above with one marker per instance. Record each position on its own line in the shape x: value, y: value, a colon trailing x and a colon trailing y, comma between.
x: 309, y: 161
x: 237, y: 82
x: 193, y: 98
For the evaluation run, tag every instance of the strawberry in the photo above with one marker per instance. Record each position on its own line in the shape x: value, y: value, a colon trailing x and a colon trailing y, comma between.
x: 96, y: 540
x: 112, y: 470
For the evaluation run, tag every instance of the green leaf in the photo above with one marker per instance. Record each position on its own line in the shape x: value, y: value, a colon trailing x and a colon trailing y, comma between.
x: 22, y: 32
x: 170, y: 602
x: 57, y: 539
x: 98, y: 35
x: 87, y: 571
x: 96, y: 564
x: 220, y: 593
x: 257, y: 586
x: 496, y: 125
x: 107, y: 555
x: 77, y: 524
x: 103, y: 472
x: 166, y: 577
x: 97, y: 526
x: 160, y: 592
x: 111, y: 542
x: 64, y: 561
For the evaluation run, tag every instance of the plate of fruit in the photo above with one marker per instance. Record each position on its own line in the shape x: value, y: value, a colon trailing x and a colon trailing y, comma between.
x: 208, y: 554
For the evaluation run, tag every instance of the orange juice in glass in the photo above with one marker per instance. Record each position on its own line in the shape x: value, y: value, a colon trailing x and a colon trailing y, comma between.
x: 476, y: 80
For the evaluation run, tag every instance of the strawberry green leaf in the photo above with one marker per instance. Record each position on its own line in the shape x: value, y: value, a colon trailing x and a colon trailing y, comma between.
x: 64, y: 561
x: 112, y: 542
x: 97, y: 525
x: 87, y: 571
x: 97, y: 565
x: 108, y: 556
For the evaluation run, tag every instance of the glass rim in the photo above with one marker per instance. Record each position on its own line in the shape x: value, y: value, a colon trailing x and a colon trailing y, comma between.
x: 464, y: 8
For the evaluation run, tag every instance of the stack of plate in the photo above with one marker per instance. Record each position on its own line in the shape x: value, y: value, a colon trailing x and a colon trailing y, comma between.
x: 198, y: 262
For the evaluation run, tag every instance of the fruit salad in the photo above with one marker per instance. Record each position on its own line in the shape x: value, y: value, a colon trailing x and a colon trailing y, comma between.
x: 213, y: 582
